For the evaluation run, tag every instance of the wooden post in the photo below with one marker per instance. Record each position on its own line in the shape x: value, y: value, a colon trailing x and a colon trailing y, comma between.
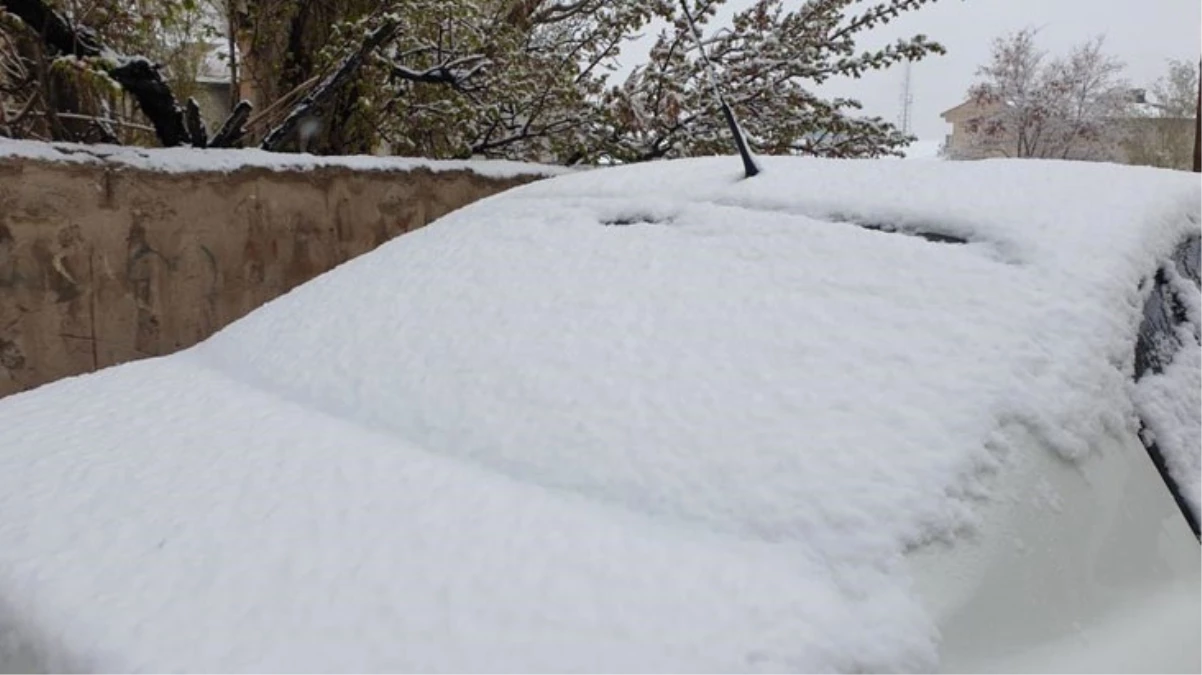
x: 1198, y: 124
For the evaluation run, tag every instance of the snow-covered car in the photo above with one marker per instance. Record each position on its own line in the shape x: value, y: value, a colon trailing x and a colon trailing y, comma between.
x: 842, y: 416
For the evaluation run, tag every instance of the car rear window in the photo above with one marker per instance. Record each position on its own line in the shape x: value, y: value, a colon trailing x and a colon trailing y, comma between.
x: 1166, y: 331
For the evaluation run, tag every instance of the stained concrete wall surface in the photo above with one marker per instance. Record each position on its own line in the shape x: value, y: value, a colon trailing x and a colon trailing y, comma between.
x: 101, y: 263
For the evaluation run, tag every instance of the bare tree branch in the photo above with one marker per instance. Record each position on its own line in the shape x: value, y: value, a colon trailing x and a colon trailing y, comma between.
x: 234, y: 127
x: 454, y: 73
x: 55, y: 30
x: 197, y: 134
x: 144, y: 81
x: 329, y: 86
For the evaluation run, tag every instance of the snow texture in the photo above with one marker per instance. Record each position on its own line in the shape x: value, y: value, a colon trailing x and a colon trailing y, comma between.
x: 651, y: 418
x: 181, y: 160
x: 1170, y: 403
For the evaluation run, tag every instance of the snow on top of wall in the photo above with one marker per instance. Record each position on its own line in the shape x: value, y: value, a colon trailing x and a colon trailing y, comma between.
x: 182, y: 160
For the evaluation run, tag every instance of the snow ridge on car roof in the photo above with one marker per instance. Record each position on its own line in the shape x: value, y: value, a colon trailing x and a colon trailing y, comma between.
x: 737, y: 309
x: 739, y: 361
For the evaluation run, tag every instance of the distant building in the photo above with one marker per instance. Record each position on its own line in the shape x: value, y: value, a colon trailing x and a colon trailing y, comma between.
x: 213, y: 85
x: 1150, y: 136
x: 959, y: 142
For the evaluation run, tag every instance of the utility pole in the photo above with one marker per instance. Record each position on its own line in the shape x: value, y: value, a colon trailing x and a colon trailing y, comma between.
x: 1198, y: 124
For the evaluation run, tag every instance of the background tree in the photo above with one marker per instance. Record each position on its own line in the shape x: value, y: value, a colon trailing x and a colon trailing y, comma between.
x: 519, y: 79
x: 767, y: 59
x: 537, y: 68
x: 62, y: 39
x: 1032, y: 106
x: 69, y: 92
x: 1176, y: 92
x: 547, y: 96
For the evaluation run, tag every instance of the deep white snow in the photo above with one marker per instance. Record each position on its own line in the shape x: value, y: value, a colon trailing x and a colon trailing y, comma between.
x: 179, y: 160
x: 653, y: 418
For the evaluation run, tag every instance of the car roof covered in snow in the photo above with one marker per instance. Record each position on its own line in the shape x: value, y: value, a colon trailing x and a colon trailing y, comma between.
x: 655, y: 417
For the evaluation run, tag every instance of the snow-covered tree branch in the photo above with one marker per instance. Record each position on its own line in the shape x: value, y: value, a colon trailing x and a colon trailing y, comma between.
x: 138, y: 76
x: 767, y: 59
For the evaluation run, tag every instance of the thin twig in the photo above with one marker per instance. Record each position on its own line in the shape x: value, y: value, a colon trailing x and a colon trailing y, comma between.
x: 89, y: 118
x: 283, y: 100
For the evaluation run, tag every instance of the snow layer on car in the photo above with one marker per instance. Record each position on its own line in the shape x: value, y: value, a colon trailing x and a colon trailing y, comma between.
x: 163, y: 517
x: 727, y: 354
x: 521, y: 439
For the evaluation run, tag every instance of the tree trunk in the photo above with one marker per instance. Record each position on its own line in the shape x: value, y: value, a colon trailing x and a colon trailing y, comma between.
x: 231, y: 22
x: 1198, y: 125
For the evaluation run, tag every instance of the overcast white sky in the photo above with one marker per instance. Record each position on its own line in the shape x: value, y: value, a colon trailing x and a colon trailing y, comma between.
x: 1143, y: 33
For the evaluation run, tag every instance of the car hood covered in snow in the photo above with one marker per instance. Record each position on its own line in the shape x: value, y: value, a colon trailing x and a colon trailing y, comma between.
x: 647, y: 418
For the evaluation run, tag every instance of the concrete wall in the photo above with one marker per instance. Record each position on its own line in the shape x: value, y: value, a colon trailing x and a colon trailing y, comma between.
x: 102, y: 264
x: 1165, y: 142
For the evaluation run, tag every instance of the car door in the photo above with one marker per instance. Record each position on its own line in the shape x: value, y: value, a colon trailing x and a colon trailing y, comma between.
x: 1092, y: 566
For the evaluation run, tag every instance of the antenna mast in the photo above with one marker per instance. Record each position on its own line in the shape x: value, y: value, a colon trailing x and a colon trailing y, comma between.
x: 749, y: 166
x: 906, y: 100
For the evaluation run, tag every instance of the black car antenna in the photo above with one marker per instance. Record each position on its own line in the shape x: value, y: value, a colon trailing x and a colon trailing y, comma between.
x: 749, y: 166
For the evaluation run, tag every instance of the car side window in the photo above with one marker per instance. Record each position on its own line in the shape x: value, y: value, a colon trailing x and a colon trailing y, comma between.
x: 1166, y: 330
